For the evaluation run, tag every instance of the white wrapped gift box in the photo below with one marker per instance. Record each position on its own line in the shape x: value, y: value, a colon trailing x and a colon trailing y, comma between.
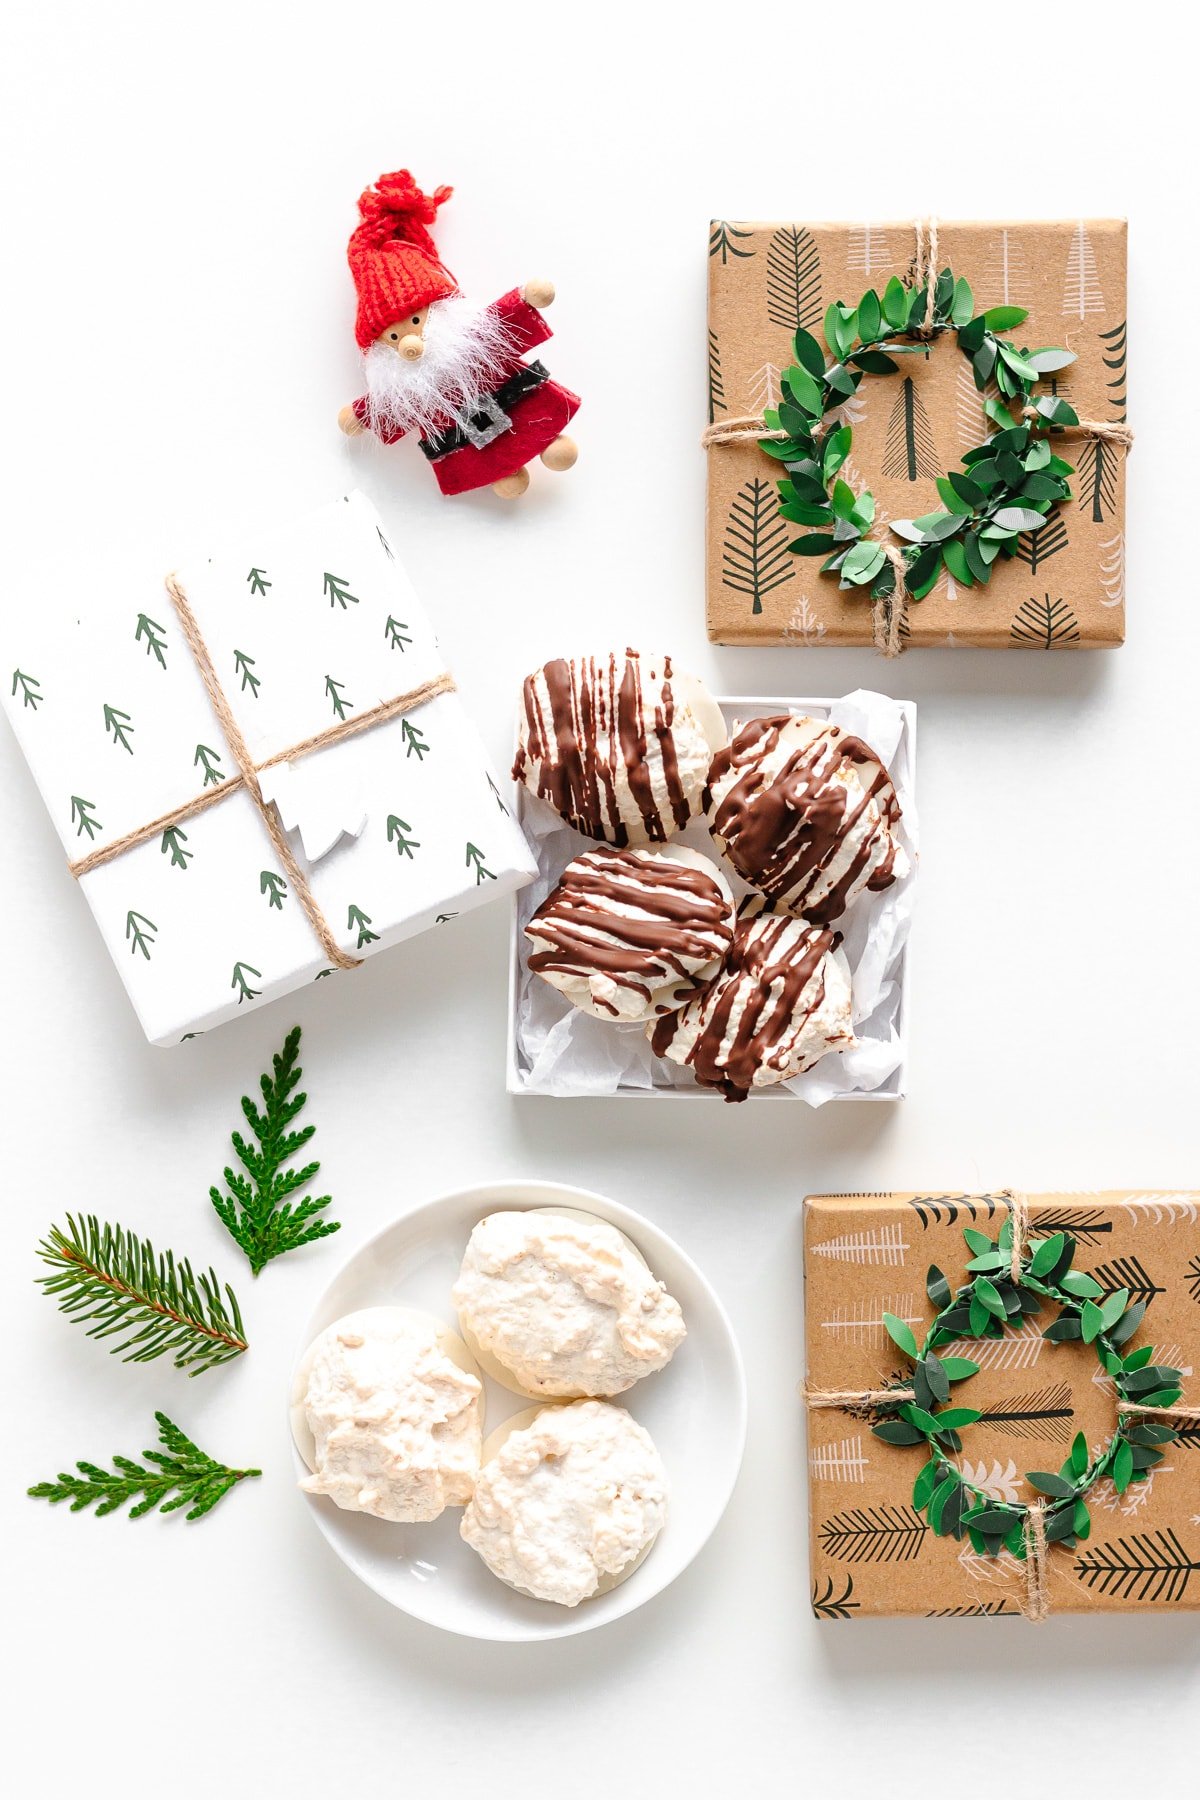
x: 378, y: 835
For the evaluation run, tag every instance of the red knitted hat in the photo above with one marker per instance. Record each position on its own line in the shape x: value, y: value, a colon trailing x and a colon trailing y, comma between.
x: 391, y: 254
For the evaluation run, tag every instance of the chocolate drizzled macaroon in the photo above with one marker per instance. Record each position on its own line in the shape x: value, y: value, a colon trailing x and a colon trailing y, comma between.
x: 806, y: 814
x: 627, y: 934
x: 619, y: 746
x: 780, y: 1001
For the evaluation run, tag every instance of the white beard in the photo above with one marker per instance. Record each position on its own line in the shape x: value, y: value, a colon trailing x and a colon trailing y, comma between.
x: 465, y: 347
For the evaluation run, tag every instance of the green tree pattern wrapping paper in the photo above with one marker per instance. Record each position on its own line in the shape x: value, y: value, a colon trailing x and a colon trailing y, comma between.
x: 306, y: 625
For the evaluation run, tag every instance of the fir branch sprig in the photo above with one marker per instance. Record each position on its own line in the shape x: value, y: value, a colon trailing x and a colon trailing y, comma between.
x: 181, y: 1475
x: 253, y: 1211
x: 154, y: 1304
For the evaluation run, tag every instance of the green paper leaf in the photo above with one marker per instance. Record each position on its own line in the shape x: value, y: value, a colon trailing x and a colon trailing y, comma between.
x: 1003, y: 318
x: 816, y: 544
x: 1137, y: 1359
x: 1046, y: 1483
x: 1091, y: 1321
x: 895, y: 1431
x: 955, y: 557
x: 963, y: 303
x: 900, y: 1333
x: 808, y: 353
x: 874, y: 362
x: 804, y: 390
x: 1122, y: 1467
x: 936, y: 1377
x: 1112, y: 1308
x: 1046, y: 1254
x: 1048, y: 362
x: 955, y: 1417
x: 959, y: 1368
x: 926, y: 1482
x: 1082, y: 1286
x: 1019, y: 518
x: 837, y: 449
x: 870, y: 316
x: 895, y: 304
x: 989, y: 1296
x: 1079, y: 1454
x: 977, y: 1242
x: 937, y: 1287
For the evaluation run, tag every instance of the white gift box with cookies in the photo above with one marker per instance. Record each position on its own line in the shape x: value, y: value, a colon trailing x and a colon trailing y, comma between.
x: 724, y: 890
x: 263, y: 773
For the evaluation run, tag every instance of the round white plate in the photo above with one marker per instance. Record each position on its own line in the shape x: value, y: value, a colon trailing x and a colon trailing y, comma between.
x: 695, y: 1410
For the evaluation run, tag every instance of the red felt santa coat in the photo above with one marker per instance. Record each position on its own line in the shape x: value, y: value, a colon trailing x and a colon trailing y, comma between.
x: 524, y: 413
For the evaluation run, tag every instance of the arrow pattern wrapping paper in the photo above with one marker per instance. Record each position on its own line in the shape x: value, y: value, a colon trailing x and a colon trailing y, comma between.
x: 871, y: 1551
x: 306, y: 626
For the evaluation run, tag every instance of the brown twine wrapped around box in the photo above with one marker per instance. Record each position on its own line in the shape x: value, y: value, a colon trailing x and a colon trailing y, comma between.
x: 249, y: 771
x: 889, y: 623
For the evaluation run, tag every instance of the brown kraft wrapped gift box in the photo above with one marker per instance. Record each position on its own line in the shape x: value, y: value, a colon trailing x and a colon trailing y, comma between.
x: 871, y: 1551
x: 1066, y: 587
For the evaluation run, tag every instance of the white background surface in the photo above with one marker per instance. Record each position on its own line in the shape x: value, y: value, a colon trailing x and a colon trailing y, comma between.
x: 179, y: 184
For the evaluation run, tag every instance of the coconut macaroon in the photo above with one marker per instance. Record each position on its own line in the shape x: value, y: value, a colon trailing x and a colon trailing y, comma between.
x: 557, y: 1304
x: 568, y: 1501
x: 627, y: 933
x: 779, y: 1003
x: 806, y: 814
x: 619, y: 746
x: 387, y: 1411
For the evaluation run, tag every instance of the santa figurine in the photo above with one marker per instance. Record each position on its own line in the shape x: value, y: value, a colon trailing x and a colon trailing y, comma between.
x: 438, y: 365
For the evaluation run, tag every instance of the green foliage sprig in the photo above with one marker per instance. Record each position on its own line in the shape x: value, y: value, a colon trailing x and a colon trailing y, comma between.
x: 983, y: 1307
x: 254, y: 1210
x: 120, y: 1286
x: 181, y: 1475
x: 1006, y: 485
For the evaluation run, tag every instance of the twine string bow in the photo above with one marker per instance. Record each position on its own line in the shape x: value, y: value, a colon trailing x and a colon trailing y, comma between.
x: 889, y: 618
x: 248, y: 772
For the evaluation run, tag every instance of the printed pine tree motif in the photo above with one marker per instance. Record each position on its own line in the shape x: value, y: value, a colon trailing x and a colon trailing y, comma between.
x: 1044, y: 625
x: 341, y: 705
x: 947, y: 1209
x: 154, y: 636
x: 910, y: 453
x: 999, y: 1482
x: 1097, y: 475
x: 498, y: 798
x: 984, y: 1609
x: 755, y: 558
x: 414, y: 741
x: 793, y: 279
x: 1087, y: 1223
x: 397, y: 832
x: 1043, y: 1413
x: 1193, y: 1279
x: 842, y: 1461
x: 1152, y: 1566
x: 1037, y: 547
x: 1127, y: 1272
x: 338, y: 590
x: 258, y: 583
x: 210, y: 762
x: 359, y: 921
x: 716, y: 386
x: 886, y: 1244
x: 242, y: 972
x: 274, y: 887
x: 1113, y: 349
x: 117, y: 722
x: 475, y: 861
x: 1081, y: 284
x: 1019, y: 1348
x: 723, y: 240
x: 1157, y: 1209
x: 29, y: 687
x: 139, y: 934
x: 827, y: 1604
x: 970, y: 421
x: 860, y: 1322
x: 765, y: 388
x: 870, y: 251
x: 387, y: 548
x: 874, y: 1534
x: 1006, y: 273
x: 394, y: 631
x: 243, y: 666
x: 445, y: 918
x: 81, y: 817
x: 173, y: 840
x: 804, y: 627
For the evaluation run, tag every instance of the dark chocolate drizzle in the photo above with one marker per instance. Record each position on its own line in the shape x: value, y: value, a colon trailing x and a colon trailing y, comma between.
x: 683, y: 923
x: 775, y: 966
x: 782, y: 833
x: 599, y: 723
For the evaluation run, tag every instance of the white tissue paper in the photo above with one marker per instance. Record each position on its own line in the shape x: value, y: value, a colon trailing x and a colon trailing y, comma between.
x: 555, y: 1049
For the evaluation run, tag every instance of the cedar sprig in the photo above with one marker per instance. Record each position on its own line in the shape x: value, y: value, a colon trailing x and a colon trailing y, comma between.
x: 181, y: 1475
x: 253, y: 1211
x: 121, y: 1287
